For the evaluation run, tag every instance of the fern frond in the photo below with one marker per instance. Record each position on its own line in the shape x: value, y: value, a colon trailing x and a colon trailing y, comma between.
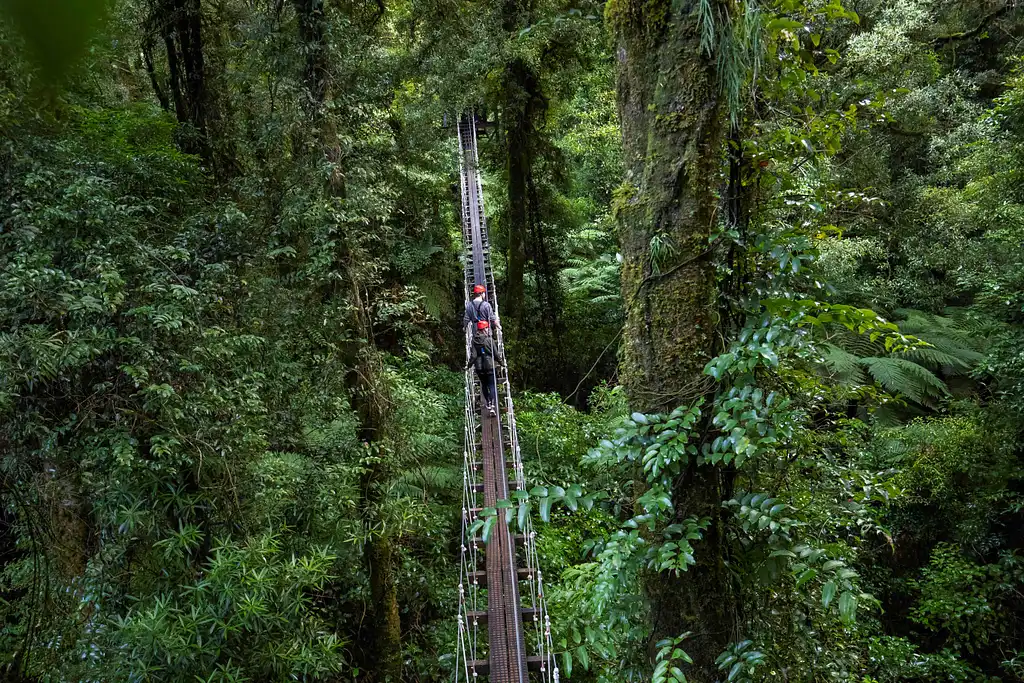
x: 420, y: 482
x: 843, y: 365
x: 904, y: 377
x: 972, y: 323
x: 855, y: 343
x: 926, y: 325
x: 935, y: 358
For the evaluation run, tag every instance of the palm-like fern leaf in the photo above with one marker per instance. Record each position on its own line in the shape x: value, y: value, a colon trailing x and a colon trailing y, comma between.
x: 427, y: 480
x: 598, y: 278
x: 842, y: 365
x: 952, y: 348
x: 904, y: 377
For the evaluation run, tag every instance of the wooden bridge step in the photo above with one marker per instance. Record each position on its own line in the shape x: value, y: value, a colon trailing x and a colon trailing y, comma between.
x: 483, y: 666
x: 479, y: 488
x: 509, y: 465
x: 480, y: 577
x: 519, y: 539
x: 480, y: 616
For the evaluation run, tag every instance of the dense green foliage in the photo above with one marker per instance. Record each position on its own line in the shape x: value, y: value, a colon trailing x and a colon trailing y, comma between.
x: 230, y: 398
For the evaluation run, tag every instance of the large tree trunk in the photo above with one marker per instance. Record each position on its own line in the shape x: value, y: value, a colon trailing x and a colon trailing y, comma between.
x: 668, y: 99
x: 384, y: 592
x: 373, y: 402
x: 519, y: 90
x: 316, y: 81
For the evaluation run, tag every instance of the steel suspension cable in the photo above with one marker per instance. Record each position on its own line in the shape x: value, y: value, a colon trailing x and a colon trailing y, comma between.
x: 505, y: 634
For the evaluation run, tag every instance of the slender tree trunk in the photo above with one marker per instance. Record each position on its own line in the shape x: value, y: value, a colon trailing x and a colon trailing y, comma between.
x: 373, y: 402
x: 668, y: 100
x: 147, y: 55
x: 316, y: 80
x: 313, y: 32
x: 180, y: 25
x: 188, y: 27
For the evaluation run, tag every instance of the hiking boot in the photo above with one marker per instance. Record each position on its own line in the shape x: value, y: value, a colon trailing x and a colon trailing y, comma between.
x: 491, y: 411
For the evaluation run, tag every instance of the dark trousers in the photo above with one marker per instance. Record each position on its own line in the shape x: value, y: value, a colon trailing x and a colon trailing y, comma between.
x: 487, y: 386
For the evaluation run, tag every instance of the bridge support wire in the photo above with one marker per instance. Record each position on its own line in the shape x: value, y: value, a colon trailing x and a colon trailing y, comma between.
x: 504, y: 573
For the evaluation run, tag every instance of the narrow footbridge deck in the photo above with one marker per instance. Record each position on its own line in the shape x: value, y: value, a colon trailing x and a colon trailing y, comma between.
x: 504, y: 631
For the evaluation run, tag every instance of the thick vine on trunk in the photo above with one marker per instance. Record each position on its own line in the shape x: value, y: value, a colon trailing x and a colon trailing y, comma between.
x: 669, y: 106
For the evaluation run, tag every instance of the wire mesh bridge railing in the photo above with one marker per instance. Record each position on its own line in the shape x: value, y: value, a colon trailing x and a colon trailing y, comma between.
x: 504, y: 631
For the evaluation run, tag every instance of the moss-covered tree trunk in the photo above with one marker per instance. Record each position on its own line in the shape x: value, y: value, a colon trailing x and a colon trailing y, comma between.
x: 372, y: 402
x: 384, y: 592
x: 668, y: 100
x: 519, y: 91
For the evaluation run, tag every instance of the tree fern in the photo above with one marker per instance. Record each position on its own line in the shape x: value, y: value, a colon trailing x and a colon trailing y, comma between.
x: 597, y: 279
x: 844, y: 366
x: 935, y: 358
x: 941, y: 329
x: 903, y: 377
x: 860, y: 345
x: 952, y: 349
x: 424, y: 481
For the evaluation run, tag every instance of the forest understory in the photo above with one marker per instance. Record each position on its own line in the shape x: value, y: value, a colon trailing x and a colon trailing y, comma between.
x: 761, y: 277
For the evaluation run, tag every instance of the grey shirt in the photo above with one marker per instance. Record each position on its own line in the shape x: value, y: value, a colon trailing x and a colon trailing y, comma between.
x: 479, y: 310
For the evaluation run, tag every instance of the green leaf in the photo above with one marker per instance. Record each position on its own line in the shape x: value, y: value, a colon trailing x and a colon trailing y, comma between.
x: 581, y: 653
x: 524, y: 514
x: 485, y: 535
x: 847, y: 607
x: 828, y: 591
x: 807, y: 575
x: 567, y: 663
x: 783, y: 24
x: 545, y: 509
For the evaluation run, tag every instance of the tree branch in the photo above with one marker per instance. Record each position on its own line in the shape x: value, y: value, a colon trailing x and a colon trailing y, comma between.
x: 989, y: 18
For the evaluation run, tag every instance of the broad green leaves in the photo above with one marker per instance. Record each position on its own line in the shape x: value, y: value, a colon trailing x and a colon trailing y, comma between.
x: 739, y: 662
x: 660, y: 443
x: 669, y: 659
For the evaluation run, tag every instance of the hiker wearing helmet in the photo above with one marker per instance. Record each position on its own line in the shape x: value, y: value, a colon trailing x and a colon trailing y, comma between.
x: 478, y: 308
x: 483, y: 359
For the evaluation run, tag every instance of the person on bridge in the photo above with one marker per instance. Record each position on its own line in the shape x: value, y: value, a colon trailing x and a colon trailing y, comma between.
x: 479, y: 308
x: 483, y: 358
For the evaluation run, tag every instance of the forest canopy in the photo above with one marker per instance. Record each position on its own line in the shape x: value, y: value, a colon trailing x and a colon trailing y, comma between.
x: 760, y: 266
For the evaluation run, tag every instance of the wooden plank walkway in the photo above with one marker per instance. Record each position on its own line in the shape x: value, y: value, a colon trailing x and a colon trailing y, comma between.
x: 504, y: 621
x: 493, y: 452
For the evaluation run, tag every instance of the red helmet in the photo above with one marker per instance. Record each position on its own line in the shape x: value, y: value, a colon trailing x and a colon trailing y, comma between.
x: 479, y: 289
x: 482, y: 325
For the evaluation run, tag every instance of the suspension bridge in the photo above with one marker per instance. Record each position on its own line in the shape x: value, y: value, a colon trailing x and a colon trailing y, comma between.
x: 504, y: 632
